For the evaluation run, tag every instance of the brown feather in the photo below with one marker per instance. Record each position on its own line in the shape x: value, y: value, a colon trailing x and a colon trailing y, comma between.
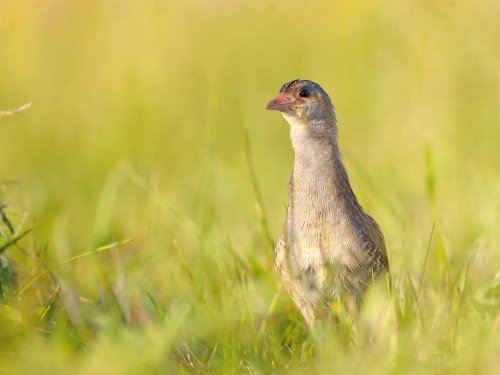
x: 329, y: 247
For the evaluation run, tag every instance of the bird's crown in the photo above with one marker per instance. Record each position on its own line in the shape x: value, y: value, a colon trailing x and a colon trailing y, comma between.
x: 287, y: 85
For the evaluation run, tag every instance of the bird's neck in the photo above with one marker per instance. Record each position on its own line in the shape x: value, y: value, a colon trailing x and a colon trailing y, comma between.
x: 318, y: 169
x: 317, y: 162
x: 315, y: 146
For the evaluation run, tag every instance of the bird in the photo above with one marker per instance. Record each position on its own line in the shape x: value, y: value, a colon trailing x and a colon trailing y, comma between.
x: 329, y: 250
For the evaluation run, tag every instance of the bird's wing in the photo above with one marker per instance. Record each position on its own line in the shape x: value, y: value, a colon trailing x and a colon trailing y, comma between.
x: 376, y: 246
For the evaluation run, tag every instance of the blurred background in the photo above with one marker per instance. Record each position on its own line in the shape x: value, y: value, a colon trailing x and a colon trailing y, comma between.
x: 137, y: 132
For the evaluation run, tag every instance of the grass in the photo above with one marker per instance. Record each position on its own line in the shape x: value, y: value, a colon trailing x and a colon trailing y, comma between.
x: 142, y: 191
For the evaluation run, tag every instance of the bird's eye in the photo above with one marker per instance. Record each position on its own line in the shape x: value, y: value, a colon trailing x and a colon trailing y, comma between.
x: 304, y: 93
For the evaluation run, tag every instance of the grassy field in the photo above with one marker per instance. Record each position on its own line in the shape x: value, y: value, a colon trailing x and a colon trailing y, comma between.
x: 144, y: 188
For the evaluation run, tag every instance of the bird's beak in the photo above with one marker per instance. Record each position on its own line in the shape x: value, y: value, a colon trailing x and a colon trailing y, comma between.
x: 280, y: 103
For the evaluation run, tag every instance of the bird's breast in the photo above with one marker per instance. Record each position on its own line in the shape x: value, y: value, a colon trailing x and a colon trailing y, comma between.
x: 320, y: 231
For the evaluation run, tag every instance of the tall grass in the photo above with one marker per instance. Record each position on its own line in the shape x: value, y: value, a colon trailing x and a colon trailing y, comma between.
x: 142, y: 192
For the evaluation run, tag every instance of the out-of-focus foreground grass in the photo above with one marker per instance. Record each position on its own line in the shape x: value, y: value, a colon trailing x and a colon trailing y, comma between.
x: 148, y: 249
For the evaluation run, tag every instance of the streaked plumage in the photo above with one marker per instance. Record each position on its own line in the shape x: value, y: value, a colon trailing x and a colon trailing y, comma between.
x: 329, y: 249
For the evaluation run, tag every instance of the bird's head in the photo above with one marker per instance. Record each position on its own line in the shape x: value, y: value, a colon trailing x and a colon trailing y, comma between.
x: 303, y: 101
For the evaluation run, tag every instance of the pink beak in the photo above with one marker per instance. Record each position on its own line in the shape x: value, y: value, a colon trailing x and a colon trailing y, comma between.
x: 280, y: 103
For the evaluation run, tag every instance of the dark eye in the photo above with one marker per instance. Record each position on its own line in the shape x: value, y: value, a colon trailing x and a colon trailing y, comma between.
x: 304, y: 93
